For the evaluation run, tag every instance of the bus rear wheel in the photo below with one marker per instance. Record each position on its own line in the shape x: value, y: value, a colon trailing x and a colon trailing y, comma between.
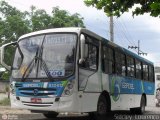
x: 50, y: 114
x: 142, y: 105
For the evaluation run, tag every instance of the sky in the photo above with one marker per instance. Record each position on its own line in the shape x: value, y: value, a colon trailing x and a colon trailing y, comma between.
x: 127, y: 29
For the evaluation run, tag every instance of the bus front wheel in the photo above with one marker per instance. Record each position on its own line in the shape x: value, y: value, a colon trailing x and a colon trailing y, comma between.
x: 50, y: 114
x: 102, y: 108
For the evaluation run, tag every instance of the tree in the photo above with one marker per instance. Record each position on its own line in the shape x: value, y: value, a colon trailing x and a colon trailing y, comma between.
x: 14, y: 23
x: 38, y: 19
x: 118, y: 7
x: 62, y: 18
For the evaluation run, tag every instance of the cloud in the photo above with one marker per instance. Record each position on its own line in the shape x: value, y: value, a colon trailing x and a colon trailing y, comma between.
x: 154, y: 57
x: 128, y: 30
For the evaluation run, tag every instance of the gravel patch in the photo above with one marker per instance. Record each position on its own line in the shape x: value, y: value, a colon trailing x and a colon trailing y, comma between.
x: 9, y: 110
x: 3, y: 96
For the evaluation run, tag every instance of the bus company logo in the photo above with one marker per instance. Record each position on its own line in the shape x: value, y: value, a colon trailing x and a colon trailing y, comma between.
x: 35, y: 92
x: 115, y: 88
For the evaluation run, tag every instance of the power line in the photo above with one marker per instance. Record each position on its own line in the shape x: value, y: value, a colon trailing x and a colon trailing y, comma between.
x: 124, y: 30
x: 123, y: 34
x: 123, y: 23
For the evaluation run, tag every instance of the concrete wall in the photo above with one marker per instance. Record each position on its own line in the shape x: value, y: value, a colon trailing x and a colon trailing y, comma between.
x: 3, y: 85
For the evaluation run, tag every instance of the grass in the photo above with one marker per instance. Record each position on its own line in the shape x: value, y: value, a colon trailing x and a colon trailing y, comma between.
x: 5, y: 102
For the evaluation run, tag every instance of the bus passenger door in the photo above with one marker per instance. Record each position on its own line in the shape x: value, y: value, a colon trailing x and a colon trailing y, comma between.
x: 88, y: 74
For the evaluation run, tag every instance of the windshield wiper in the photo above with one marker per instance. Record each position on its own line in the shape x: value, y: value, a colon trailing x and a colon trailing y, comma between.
x: 37, y: 58
x: 44, y: 67
x: 28, y: 67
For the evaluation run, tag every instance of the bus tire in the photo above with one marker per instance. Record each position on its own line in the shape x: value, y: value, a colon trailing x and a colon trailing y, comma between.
x: 50, y: 114
x: 157, y: 105
x: 142, y: 105
x: 103, y: 108
x: 92, y: 115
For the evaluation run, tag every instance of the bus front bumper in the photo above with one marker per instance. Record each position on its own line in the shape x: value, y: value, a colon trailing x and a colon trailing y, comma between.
x: 63, y: 104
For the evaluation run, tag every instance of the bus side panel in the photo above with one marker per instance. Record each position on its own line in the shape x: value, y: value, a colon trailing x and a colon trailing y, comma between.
x: 91, y: 93
x: 105, y: 82
x: 125, y: 102
x: 89, y: 102
x: 149, y: 90
x: 94, y: 83
x: 121, y: 92
x: 150, y: 100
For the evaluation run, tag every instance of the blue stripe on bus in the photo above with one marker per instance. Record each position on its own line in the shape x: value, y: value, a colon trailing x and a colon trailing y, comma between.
x: 125, y: 85
x: 29, y: 87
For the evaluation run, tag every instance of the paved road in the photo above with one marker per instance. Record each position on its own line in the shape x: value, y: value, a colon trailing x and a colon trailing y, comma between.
x: 151, y: 112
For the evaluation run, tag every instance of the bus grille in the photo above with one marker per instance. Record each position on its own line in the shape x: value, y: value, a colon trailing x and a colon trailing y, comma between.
x: 35, y: 91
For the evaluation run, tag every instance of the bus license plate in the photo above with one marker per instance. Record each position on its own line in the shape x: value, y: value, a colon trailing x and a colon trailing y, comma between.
x: 36, y: 100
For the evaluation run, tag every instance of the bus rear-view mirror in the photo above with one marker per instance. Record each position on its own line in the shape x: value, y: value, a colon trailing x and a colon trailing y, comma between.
x: 83, y: 49
x: 7, y: 54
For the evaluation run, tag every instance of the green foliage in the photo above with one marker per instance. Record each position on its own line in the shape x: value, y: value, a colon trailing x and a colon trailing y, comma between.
x: 5, y: 102
x: 5, y: 75
x: 118, y: 7
x: 62, y: 18
x: 14, y: 23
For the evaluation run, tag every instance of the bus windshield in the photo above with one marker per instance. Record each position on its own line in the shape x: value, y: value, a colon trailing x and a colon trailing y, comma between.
x: 51, y: 54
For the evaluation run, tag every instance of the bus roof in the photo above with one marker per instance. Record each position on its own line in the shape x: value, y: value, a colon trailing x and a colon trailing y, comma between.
x: 84, y: 30
x: 53, y: 30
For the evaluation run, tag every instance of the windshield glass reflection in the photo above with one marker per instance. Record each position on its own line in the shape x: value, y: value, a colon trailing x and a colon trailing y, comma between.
x: 53, y: 52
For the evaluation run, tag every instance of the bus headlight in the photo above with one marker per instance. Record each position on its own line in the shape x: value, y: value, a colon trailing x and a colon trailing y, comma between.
x: 68, y: 89
x: 70, y: 86
x: 66, y: 92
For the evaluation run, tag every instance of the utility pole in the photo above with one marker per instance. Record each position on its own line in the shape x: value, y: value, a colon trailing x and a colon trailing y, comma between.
x: 111, y: 29
x: 137, y: 47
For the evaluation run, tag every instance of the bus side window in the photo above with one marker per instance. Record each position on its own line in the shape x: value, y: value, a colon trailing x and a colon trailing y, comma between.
x: 130, y: 67
x: 123, y: 65
x: 92, y: 59
x: 151, y: 75
x: 145, y: 71
x: 138, y: 69
x: 120, y: 63
x: 108, y: 60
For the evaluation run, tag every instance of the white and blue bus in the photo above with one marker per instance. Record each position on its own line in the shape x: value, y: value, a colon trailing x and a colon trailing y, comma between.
x: 75, y: 70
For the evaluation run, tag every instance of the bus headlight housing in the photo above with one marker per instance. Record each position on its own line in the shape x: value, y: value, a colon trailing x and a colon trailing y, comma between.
x: 68, y: 89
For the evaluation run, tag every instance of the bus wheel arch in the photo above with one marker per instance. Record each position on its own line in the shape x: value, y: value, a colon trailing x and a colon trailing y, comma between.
x: 145, y: 98
x: 107, y: 96
x: 104, y: 99
x: 143, y: 103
